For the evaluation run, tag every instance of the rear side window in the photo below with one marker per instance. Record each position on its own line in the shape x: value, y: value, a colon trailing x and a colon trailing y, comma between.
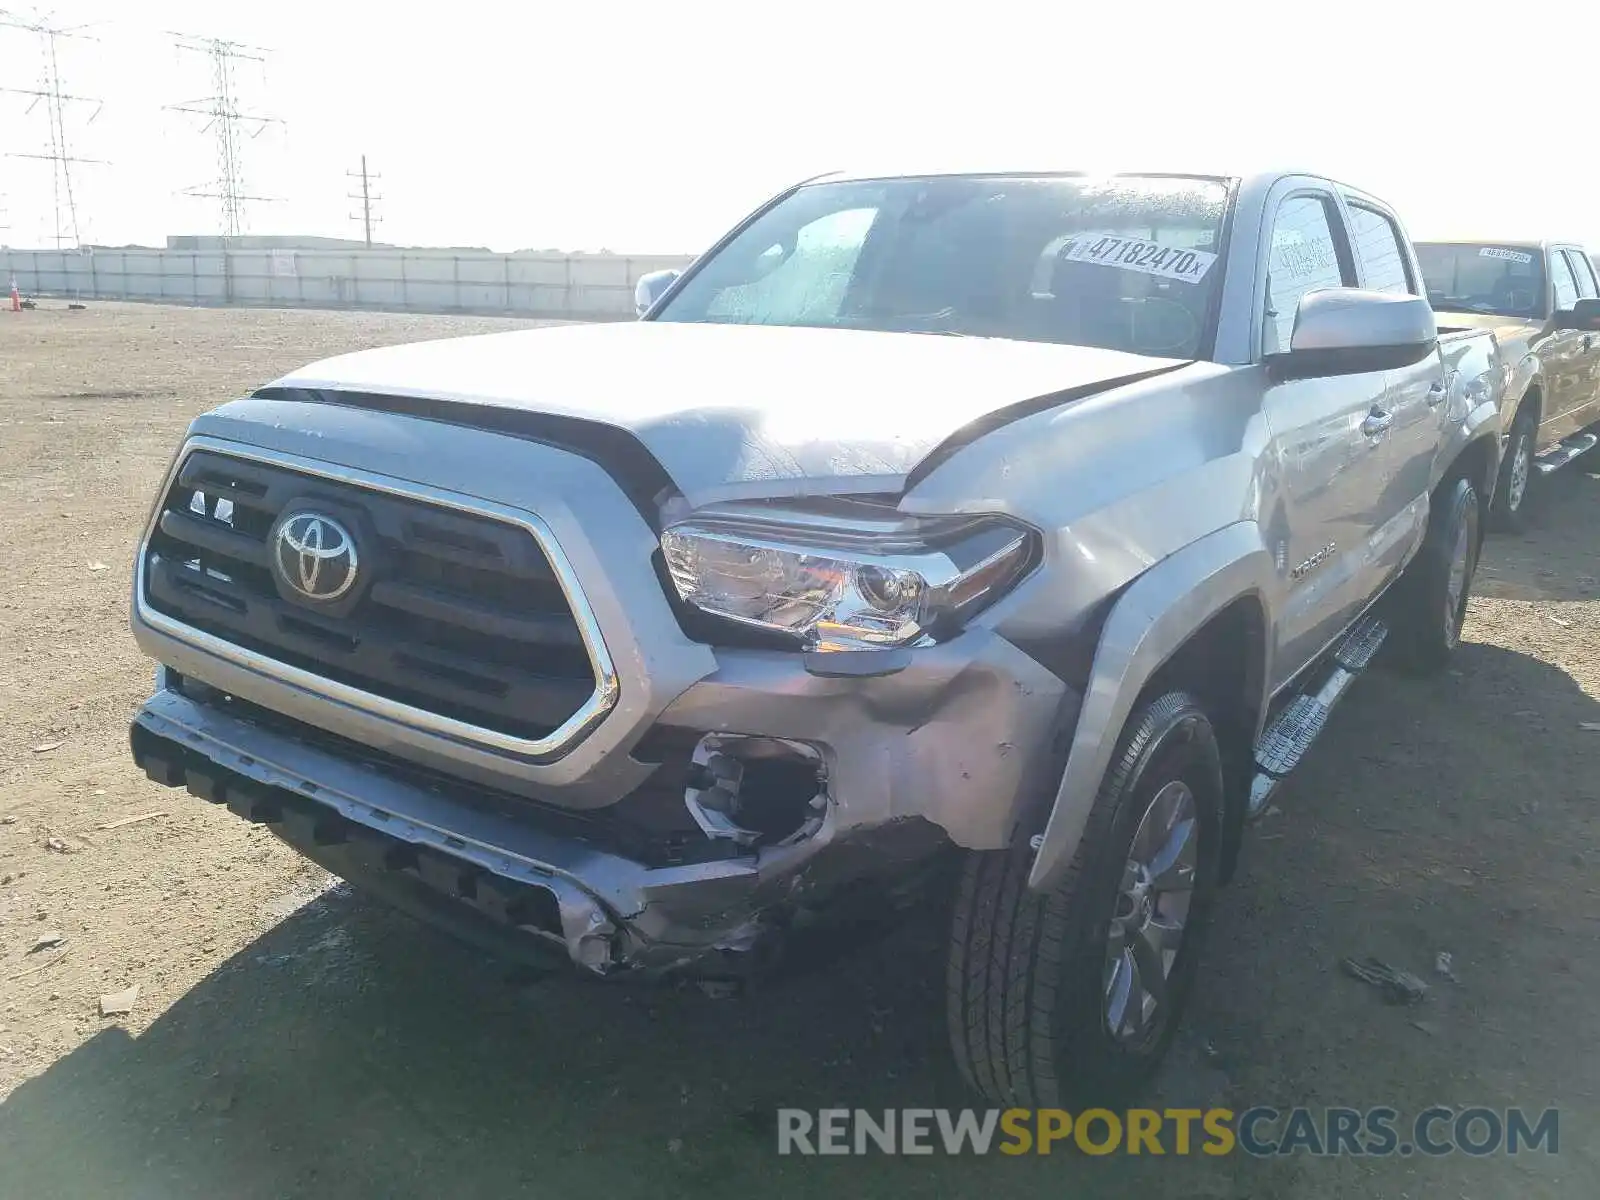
x: 1561, y: 280
x: 1304, y: 257
x: 1378, y: 247
x: 1583, y: 272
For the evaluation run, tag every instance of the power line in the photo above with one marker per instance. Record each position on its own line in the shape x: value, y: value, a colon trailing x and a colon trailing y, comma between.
x: 56, y: 101
x: 229, y: 123
x: 366, y: 196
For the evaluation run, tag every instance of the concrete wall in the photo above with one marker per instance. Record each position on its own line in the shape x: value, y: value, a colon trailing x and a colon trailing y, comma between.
x: 580, y: 286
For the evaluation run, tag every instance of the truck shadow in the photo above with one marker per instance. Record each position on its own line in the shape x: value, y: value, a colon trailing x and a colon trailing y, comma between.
x: 349, y: 1052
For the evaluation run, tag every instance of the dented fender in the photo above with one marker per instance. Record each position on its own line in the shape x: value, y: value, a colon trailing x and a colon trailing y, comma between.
x: 1150, y: 621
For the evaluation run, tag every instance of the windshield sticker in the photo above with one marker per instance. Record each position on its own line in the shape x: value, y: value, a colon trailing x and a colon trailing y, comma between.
x: 1137, y: 254
x: 1516, y: 256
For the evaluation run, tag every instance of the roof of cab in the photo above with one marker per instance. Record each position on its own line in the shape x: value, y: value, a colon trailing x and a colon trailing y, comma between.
x: 1514, y: 243
x: 918, y: 169
x: 1251, y: 178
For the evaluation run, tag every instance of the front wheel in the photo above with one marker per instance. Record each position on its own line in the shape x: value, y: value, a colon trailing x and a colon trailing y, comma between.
x: 1514, y: 487
x: 1431, y: 600
x: 1074, y: 995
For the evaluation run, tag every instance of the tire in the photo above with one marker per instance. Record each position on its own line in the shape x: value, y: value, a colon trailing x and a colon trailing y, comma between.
x: 1028, y: 996
x: 1431, y: 600
x: 1514, y: 487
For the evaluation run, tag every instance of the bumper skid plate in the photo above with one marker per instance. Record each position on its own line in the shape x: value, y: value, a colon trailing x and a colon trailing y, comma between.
x: 506, y: 885
x: 515, y: 886
x: 521, y: 921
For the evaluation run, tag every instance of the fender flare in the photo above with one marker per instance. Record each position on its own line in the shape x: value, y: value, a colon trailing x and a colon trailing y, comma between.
x: 1528, y: 372
x: 1151, y: 620
x: 1482, y: 418
x: 1482, y: 424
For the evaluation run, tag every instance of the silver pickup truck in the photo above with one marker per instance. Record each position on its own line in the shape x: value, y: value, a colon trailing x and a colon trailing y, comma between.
x: 992, y: 540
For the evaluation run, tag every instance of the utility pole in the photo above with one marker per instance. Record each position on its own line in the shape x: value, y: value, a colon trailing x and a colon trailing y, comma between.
x: 228, y: 122
x: 56, y: 102
x: 366, y: 197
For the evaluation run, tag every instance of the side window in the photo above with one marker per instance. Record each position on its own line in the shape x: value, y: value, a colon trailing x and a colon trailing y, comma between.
x: 1583, y: 272
x: 1378, y: 246
x: 807, y: 283
x: 1566, y: 287
x: 1304, y: 257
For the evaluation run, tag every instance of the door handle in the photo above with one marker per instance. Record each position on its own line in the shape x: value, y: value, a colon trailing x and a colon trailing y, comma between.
x: 1377, y: 423
x: 1588, y: 340
x: 1436, y: 391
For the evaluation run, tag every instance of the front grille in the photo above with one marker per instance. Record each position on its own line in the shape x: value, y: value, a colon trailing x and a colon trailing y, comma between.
x: 457, y: 613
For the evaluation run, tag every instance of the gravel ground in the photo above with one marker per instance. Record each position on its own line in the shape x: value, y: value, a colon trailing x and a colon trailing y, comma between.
x: 289, y: 1039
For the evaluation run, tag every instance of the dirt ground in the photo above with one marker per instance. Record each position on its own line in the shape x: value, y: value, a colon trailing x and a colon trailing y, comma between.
x: 289, y: 1039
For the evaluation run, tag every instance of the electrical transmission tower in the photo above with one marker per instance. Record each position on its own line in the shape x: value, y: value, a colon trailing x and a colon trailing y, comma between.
x: 56, y: 103
x: 229, y: 123
x: 366, y: 196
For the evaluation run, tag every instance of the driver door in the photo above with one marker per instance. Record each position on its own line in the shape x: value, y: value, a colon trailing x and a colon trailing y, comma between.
x: 1586, y: 393
x: 1565, y: 360
x: 1332, y: 472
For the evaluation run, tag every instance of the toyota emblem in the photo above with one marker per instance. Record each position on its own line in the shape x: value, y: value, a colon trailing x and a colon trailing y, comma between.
x: 315, y: 556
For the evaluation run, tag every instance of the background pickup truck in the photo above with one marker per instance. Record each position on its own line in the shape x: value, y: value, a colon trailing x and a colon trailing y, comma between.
x: 1000, y: 539
x: 1542, y: 301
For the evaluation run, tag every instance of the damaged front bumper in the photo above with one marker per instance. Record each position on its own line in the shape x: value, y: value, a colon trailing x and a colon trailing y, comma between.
x: 495, y: 880
x: 726, y: 791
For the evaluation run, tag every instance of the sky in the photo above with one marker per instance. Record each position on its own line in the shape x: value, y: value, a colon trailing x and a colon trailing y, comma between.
x: 652, y: 127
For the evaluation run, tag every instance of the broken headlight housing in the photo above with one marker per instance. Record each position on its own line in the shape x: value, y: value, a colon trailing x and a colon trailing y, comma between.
x: 852, y: 577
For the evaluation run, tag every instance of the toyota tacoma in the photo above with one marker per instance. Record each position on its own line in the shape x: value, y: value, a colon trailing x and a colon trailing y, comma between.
x: 996, y: 540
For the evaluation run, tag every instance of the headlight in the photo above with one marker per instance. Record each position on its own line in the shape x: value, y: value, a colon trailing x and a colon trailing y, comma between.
x: 844, y: 587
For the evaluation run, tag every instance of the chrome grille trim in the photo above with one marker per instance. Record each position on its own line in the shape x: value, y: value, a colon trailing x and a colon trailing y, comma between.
x: 602, y: 699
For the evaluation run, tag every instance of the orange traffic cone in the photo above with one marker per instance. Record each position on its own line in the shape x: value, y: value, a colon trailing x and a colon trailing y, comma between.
x: 16, y: 296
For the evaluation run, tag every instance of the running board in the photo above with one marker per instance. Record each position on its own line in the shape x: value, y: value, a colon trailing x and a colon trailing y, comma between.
x: 1562, y: 453
x: 1293, y: 731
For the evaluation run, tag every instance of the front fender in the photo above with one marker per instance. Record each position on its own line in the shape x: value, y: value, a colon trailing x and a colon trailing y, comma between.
x: 1151, y: 620
x: 1481, y: 409
x: 1523, y: 378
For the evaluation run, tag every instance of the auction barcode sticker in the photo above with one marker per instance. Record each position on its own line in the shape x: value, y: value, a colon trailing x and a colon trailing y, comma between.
x: 1516, y: 256
x: 1137, y: 254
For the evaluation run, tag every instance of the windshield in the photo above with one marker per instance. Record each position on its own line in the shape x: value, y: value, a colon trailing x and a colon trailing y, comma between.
x: 1504, y: 281
x: 1122, y: 262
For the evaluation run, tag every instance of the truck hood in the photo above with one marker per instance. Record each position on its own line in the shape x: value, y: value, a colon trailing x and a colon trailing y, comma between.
x: 733, y: 411
x: 1502, y: 327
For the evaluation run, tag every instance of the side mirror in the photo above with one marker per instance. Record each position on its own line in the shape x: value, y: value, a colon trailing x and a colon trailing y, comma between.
x: 1349, y: 331
x: 650, y: 288
x: 1584, y: 315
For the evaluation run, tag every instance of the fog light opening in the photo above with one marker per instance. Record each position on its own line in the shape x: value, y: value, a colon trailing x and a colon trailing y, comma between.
x: 756, y: 790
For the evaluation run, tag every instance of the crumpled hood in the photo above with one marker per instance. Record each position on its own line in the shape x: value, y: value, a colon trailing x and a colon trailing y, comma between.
x: 740, y: 410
